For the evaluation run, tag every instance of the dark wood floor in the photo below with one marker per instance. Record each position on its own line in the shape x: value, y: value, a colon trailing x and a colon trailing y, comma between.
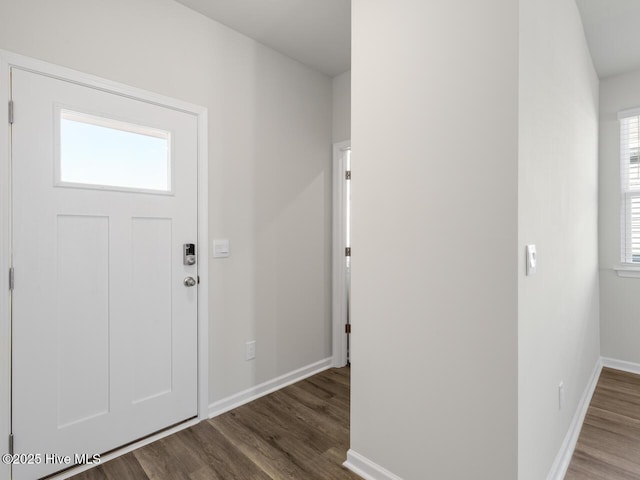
x: 300, y: 432
x: 609, y: 444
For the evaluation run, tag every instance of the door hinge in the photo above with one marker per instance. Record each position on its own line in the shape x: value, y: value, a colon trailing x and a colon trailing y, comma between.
x: 11, y: 443
x: 11, y: 279
x: 347, y: 252
x: 347, y: 175
x: 347, y: 328
x: 10, y: 112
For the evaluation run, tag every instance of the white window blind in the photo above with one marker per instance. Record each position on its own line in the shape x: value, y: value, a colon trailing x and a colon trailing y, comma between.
x: 630, y: 186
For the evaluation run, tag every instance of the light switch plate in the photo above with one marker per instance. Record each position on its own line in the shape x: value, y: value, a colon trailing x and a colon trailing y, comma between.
x: 221, y: 248
x: 532, y: 259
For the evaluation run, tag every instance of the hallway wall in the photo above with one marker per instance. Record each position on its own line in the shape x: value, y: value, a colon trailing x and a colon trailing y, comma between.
x: 558, y: 311
x: 434, y: 282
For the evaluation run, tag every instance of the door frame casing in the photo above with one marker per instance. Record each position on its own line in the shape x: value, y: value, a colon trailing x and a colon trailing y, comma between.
x: 339, y: 307
x: 9, y: 60
x: 5, y: 263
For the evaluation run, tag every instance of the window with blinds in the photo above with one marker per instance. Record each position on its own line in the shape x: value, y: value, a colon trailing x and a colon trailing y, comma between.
x: 630, y: 183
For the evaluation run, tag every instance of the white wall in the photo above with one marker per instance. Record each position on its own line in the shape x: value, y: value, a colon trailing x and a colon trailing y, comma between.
x: 270, y: 163
x: 341, y: 86
x: 558, y: 329
x: 434, y: 109
x: 619, y: 299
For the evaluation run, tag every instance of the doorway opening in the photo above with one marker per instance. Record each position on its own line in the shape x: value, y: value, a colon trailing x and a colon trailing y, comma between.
x: 342, y: 254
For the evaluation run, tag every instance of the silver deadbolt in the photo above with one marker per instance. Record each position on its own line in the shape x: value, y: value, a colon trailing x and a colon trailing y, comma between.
x: 189, y: 282
x: 189, y: 254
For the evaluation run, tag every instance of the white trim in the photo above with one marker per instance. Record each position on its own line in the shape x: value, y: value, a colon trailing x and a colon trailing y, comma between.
x: 253, y: 393
x: 5, y: 263
x: 339, y: 306
x: 129, y: 448
x: 628, y: 271
x: 8, y: 60
x: 203, y: 263
x: 561, y: 463
x: 630, y: 112
x: 367, y: 469
x: 622, y: 365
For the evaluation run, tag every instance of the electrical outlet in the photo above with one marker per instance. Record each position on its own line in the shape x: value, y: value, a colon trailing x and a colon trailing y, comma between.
x: 250, y: 350
x: 561, y: 395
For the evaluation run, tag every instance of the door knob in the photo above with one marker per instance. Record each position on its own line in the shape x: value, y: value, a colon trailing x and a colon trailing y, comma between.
x: 189, y: 282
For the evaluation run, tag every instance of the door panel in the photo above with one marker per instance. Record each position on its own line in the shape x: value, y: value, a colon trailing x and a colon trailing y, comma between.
x: 151, y: 243
x: 104, y: 330
x: 83, y: 312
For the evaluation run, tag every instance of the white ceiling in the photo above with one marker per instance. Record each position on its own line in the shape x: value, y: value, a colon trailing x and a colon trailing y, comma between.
x: 612, y: 28
x: 314, y: 32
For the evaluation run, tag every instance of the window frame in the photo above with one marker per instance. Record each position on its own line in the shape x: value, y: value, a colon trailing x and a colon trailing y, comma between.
x: 627, y: 193
x: 115, y: 123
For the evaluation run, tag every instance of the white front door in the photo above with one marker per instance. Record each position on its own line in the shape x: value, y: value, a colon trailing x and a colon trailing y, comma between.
x: 104, y: 319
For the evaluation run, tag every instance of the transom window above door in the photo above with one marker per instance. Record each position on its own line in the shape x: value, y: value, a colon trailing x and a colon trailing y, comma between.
x: 102, y: 153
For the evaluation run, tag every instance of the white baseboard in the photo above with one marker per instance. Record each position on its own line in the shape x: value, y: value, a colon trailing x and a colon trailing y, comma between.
x: 621, y: 365
x: 250, y: 394
x: 561, y: 463
x: 367, y: 469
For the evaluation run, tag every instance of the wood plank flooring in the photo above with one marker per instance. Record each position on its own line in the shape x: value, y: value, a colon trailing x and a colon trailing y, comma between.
x: 300, y: 432
x: 609, y: 444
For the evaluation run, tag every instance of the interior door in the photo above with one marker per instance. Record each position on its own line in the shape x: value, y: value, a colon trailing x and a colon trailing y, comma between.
x: 347, y: 242
x: 104, y: 319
